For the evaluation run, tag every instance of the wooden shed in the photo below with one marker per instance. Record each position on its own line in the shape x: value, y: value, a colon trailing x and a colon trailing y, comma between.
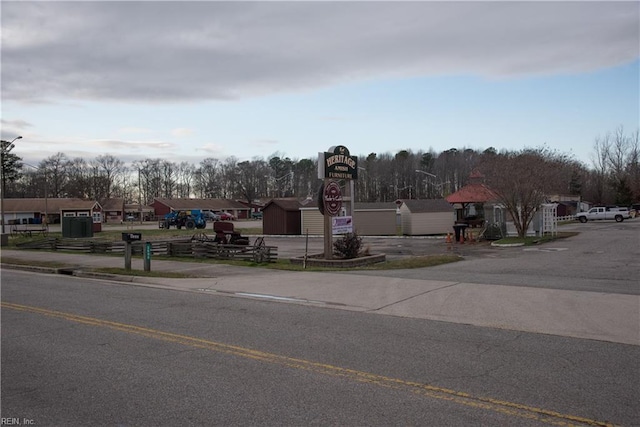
x: 281, y: 216
x: 427, y: 216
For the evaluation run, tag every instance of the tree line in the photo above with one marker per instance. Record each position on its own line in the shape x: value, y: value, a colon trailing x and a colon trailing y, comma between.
x: 612, y: 178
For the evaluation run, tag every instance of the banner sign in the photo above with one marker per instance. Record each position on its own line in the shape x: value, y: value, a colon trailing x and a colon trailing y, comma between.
x: 337, y: 164
x: 342, y: 224
x: 332, y: 199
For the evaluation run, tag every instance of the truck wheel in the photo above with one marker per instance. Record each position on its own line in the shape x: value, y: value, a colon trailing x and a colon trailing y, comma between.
x: 619, y: 218
x: 583, y: 219
x: 190, y: 224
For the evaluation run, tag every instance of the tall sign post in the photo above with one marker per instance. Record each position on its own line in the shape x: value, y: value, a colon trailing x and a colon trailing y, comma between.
x: 334, y: 165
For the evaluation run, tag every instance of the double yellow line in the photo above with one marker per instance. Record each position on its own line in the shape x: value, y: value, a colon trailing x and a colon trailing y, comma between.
x: 461, y: 398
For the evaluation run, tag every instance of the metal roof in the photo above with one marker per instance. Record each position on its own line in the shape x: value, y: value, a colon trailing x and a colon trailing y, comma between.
x: 53, y: 205
x: 286, y: 204
x: 112, y: 204
x: 426, y: 205
x: 204, y: 204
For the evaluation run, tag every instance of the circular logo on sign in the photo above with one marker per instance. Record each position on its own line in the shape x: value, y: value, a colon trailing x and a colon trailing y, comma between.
x: 332, y: 199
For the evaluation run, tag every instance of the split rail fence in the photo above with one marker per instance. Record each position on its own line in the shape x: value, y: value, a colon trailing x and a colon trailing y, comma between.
x: 258, y: 252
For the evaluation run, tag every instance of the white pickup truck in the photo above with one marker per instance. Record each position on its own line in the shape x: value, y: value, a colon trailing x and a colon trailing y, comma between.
x: 602, y: 212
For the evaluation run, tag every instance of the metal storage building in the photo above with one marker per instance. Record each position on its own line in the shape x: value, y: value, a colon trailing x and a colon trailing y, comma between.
x: 427, y: 216
x: 369, y: 219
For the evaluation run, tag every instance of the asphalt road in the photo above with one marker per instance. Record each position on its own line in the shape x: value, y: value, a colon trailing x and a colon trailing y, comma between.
x: 603, y: 257
x: 77, y: 351
x: 80, y: 352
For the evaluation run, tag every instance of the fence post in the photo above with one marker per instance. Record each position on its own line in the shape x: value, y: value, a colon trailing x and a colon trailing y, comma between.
x: 127, y: 255
x: 147, y: 256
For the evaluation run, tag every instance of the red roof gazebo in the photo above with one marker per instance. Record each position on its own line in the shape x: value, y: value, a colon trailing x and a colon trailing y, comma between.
x: 474, y: 192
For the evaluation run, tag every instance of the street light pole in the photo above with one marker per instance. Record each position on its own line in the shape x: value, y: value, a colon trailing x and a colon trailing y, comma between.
x: 3, y: 189
x: 434, y: 177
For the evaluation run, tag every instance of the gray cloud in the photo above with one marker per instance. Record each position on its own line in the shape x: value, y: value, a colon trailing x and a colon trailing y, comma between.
x: 180, y: 51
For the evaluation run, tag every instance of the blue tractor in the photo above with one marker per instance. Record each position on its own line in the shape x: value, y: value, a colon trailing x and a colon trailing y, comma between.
x: 191, y: 219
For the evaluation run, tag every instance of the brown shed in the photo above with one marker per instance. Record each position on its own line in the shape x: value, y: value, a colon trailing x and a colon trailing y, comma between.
x: 281, y: 216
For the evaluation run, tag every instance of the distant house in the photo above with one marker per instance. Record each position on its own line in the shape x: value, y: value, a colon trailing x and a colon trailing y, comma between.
x: 426, y: 216
x: 254, y: 207
x: 112, y: 210
x: 50, y: 210
x: 164, y: 206
x: 138, y: 212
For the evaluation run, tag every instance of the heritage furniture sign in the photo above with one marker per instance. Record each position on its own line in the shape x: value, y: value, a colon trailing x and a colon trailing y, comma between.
x: 337, y: 164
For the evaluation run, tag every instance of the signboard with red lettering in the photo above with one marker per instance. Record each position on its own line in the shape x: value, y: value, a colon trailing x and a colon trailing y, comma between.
x: 332, y: 199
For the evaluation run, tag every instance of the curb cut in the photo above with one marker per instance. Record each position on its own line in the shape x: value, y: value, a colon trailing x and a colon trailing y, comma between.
x: 506, y: 245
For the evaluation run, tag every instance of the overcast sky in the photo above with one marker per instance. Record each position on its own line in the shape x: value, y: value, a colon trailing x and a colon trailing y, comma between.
x: 188, y: 80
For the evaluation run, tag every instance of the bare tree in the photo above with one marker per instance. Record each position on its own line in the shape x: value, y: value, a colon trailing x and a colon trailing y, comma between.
x: 208, y: 177
x: 306, y: 176
x: 633, y: 165
x: 523, y: 180
x: 56, y: 168
x: 229, y: 175
x: 185, y: 175
x: 109, y: 168
x: 79, y: 179
x: 250, y: 176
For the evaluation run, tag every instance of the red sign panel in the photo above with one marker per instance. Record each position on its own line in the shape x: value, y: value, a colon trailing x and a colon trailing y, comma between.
x: 332, y: 199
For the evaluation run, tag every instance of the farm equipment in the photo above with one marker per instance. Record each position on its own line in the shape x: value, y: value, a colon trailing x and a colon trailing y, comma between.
x: 194, y: 218
x: 226, y: 234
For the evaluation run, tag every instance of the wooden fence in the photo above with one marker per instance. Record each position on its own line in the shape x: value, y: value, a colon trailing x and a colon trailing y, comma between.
x: 259, y: 252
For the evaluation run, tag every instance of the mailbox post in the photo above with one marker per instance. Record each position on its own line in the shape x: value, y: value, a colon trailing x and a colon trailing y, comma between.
x: 128, y: 238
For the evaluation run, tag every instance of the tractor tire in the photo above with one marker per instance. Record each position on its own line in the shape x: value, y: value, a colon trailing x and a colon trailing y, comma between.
x: 201, y: 225
x: 190, y: 224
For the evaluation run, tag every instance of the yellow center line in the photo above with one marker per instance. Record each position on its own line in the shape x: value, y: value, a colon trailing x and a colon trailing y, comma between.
x: 458, y: 397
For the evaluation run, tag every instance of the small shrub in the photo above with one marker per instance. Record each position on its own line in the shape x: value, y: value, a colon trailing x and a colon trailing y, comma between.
x: 348, y: 246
